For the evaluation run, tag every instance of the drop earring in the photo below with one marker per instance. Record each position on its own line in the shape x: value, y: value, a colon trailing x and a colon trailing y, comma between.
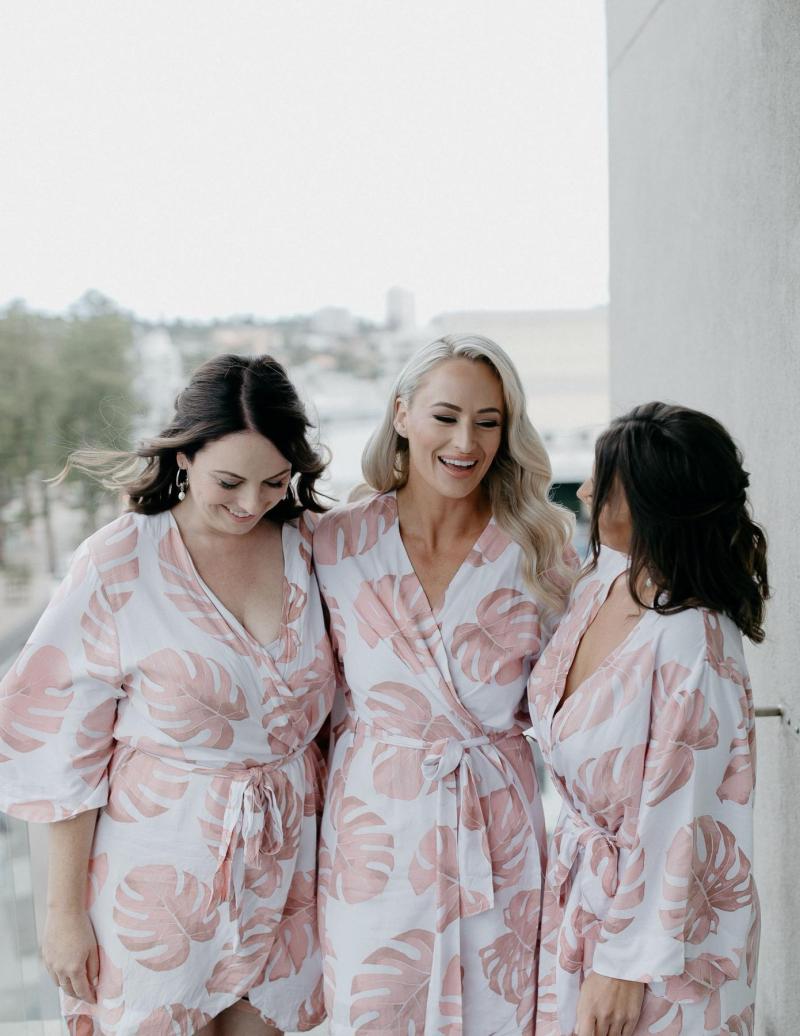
x: 184, y: 485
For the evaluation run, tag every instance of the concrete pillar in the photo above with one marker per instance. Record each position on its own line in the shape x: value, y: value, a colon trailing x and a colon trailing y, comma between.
x: 704, y: 123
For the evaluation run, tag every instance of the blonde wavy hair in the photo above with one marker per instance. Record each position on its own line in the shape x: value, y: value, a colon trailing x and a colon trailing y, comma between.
x: 519, y: 480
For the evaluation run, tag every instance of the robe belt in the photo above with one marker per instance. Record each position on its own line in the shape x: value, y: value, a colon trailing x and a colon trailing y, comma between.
x: 577, y: 834
x: 253, y: 811
x: 443, y: 757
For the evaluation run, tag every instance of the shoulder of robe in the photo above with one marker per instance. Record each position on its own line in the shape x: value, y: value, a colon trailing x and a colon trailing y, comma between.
x: 124, y: 531
x: 353, y: 528
x: 696, y: 635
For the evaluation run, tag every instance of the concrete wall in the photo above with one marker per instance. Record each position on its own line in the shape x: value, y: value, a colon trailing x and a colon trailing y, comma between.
x: 704, y: 122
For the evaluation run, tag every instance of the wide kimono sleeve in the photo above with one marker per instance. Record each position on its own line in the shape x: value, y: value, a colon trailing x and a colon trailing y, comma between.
x: 58, y: 704
x: 686, y: 903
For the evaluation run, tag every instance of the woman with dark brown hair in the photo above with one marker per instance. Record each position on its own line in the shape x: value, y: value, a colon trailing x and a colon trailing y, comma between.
x: 642, y: 706
x: 162, y: 719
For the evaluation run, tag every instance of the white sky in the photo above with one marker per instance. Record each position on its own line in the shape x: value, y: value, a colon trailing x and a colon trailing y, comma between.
x: 201, y: 158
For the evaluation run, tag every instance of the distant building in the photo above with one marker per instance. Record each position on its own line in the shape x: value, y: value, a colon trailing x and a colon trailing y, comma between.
x: 400, y: 310
x: 158, y: 381
x: 563, y: 359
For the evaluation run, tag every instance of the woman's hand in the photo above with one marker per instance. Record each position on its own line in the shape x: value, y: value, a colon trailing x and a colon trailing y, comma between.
x: 69, y: 951
x: 609, y: 1006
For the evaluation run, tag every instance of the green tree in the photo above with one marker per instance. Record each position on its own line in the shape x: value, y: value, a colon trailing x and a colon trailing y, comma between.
x: 96, y: 399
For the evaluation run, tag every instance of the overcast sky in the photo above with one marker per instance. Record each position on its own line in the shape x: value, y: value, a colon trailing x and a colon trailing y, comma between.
x: 199, y: 159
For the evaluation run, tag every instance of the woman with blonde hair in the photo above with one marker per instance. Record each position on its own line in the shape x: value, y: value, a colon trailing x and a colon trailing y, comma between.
x: 442, y: 586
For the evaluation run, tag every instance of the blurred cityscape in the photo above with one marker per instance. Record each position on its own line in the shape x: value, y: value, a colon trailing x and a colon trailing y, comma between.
x: 98, y: 375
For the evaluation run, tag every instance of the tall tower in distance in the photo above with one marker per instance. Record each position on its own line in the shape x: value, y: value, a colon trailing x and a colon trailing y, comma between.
x: 400, y: 309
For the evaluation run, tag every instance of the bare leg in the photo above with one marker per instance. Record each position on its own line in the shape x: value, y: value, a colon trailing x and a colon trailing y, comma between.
x: 240, y: 1019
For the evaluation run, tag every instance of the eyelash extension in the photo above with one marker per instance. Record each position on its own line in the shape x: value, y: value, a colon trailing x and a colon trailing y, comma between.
x: 228, y: 485
x: 451, y: 420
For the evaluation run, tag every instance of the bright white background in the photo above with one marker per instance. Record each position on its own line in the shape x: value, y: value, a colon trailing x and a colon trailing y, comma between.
x: 204, y: 158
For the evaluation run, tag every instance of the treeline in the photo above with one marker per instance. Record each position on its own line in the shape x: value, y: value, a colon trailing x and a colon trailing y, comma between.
x: 65, y: 381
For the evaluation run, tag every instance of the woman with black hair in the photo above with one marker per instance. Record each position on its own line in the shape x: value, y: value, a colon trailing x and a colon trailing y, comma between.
x: 642, y: 706
x: 162, y: 719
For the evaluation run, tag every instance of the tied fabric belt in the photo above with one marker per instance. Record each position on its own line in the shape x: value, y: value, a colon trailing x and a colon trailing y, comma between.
x: 252, y: 810
x: 462, y: 813
x: 576, y: 834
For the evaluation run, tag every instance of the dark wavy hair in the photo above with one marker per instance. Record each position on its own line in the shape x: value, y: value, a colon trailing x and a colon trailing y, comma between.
x: 693, y: 534
x: 226, y: 394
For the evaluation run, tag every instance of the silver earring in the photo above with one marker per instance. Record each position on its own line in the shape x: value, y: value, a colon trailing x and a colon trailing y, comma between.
x: 184, y: 485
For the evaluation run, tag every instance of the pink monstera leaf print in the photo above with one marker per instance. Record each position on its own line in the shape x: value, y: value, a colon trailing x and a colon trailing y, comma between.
x: 392, y: 993
x: 753, y: 940
x: 97, y: 877
x: 189, y: 596
x: 728, y: 668
x: 605, y: 693
x: 552, y: 667
x: 189, y: 697
x: 577, y: 940
x: 337, y: 627
x: 629, y: 893
x: 296, y: 935
x: 490, y: 546
x: 450, y: 1007
x: 516, y: 753
x: 547, y: 1021
x: 93, y: 742
x: 312, y: 1010
x: 114, y: 550
x: 701, y: 981
x: 683, y: 724
x: 142, y: 786
x: 509, y: 962
x: 739, y: 779
x: 109, y: 1008
x: 610, y: 786
x: 552, y: 915
x: 100, y: 641
x: 742, y: 1024
x: 295, y: 598
x: 363, y: 856
x: 242, y: 966
x: 399, y: 708
x: 33, y: 699
x: 506, y: 634
x: 509, y: 833
x: 175, y: 1020
x: 706, y: 873
x: 395, y: 609
x: 159, y: 913
x: 660, y: 1017
x: 306, y: 699
x: 353, y: 531
x: 435, y: 865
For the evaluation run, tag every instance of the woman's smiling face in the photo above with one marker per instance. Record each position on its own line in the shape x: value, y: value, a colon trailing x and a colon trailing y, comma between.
x: 454, y: 426
x: 235, y: 480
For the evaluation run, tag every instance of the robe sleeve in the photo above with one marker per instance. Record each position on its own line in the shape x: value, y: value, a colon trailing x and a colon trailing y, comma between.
x: 58, y: 704
x: 686, y: 903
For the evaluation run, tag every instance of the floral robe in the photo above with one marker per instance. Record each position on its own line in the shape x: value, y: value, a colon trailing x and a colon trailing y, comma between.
x: 140, y: 694
x: 649, y: 873
x: 433, y: 835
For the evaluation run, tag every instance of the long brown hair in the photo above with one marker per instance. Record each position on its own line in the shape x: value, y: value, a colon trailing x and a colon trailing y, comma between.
x: 226, y: 394
x: 693, y: 534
